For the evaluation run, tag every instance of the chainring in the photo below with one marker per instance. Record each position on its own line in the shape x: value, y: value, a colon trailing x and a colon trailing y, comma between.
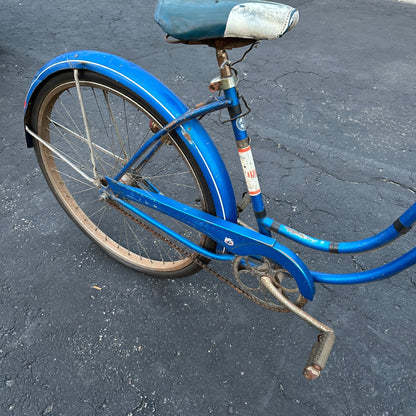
x: 248, y: 272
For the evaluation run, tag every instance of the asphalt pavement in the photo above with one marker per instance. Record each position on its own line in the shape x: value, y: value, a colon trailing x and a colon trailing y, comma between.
x: 333, y: 132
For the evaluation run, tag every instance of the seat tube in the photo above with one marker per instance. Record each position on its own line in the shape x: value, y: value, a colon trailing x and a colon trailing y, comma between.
x: 242, y: 140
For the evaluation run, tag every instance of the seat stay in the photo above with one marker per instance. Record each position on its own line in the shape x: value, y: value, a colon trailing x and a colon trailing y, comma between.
x: 159, y: 97
x: 191, y: 114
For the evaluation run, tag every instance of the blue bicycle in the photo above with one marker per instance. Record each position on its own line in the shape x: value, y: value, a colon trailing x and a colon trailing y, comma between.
x: 136, y: 171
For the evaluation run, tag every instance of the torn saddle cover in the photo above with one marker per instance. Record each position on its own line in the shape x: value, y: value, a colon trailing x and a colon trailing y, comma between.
x: 198, y: 21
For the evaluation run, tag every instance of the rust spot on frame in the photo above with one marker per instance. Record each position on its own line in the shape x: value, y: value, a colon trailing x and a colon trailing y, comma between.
x: 187, y: 136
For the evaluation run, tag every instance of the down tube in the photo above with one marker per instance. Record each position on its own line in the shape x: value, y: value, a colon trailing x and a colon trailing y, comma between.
x: 383, y: 272
x: 401, y: 226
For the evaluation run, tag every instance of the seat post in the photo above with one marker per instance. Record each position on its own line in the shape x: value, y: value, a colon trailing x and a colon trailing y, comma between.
x: 222, y: 59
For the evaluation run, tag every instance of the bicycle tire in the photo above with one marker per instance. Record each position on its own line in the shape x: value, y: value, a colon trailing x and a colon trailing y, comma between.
x: 119, y: 121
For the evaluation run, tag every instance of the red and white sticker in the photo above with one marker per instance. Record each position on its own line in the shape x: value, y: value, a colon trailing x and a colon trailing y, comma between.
x: 249, y: 169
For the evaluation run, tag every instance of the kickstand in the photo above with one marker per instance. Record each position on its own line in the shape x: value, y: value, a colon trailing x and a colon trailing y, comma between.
x: 322, y: 348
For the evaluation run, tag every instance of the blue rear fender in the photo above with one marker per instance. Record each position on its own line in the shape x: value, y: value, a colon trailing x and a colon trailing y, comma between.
x: 163, y: 100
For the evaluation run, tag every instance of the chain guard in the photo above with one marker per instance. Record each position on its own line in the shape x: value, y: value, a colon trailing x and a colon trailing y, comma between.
x: 242, y: 266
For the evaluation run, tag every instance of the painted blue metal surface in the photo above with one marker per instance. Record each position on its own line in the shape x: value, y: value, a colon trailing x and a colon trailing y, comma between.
x: 234, y: 238
x: 407, y: 219
x: 187, y: 116
x: 239, y: 127
x: 240, y: 134
x: 360, y: 246
x: 164, y: 101
x: 383, y: 272
x: 371, y: 243
x: 294, y: 235
x: 198, y: 249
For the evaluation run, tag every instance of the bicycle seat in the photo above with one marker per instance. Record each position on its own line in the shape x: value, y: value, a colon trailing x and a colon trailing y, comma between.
x: 201, y: 21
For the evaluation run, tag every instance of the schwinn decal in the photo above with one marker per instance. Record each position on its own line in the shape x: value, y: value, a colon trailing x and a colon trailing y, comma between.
x: 229, y: 241
x: 241, y: 125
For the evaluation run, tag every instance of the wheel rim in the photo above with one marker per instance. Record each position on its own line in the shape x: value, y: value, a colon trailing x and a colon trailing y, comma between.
x: 117, y: 125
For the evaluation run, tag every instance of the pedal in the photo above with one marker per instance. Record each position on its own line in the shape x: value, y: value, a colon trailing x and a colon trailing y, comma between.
x: 319, y: 355
x: 322, y: 348
x: 243, y: 203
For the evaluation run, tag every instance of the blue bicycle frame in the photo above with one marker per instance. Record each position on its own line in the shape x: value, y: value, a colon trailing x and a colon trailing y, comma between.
x: 231, y: 237
x: 242, y: 241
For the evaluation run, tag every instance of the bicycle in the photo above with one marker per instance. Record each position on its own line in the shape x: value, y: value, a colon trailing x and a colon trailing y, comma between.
x: 136, y: 171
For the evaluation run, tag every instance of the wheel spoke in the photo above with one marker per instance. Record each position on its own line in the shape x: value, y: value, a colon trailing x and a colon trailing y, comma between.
x: 78, y: 136
x: 58, y: 154
x: 86, y: 128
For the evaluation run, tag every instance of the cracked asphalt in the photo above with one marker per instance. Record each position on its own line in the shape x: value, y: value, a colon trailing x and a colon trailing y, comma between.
x: 333, y: 130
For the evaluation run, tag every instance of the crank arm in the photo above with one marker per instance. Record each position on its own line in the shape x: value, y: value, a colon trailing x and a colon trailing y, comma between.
x: 322, y: 347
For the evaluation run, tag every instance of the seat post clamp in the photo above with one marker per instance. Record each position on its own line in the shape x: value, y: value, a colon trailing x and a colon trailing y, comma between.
x: 219, y: 83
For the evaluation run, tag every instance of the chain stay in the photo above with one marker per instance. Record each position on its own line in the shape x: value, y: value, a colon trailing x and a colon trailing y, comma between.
x: 240, y: 288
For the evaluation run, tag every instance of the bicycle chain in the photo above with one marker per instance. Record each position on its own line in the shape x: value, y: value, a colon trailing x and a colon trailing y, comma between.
x: 194, y: 257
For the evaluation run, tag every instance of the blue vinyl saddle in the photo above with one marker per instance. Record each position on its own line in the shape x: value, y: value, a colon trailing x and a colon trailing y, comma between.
x: 199, y: 20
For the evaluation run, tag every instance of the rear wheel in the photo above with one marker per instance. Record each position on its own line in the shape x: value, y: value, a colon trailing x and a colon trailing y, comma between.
x: 118, y: 122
